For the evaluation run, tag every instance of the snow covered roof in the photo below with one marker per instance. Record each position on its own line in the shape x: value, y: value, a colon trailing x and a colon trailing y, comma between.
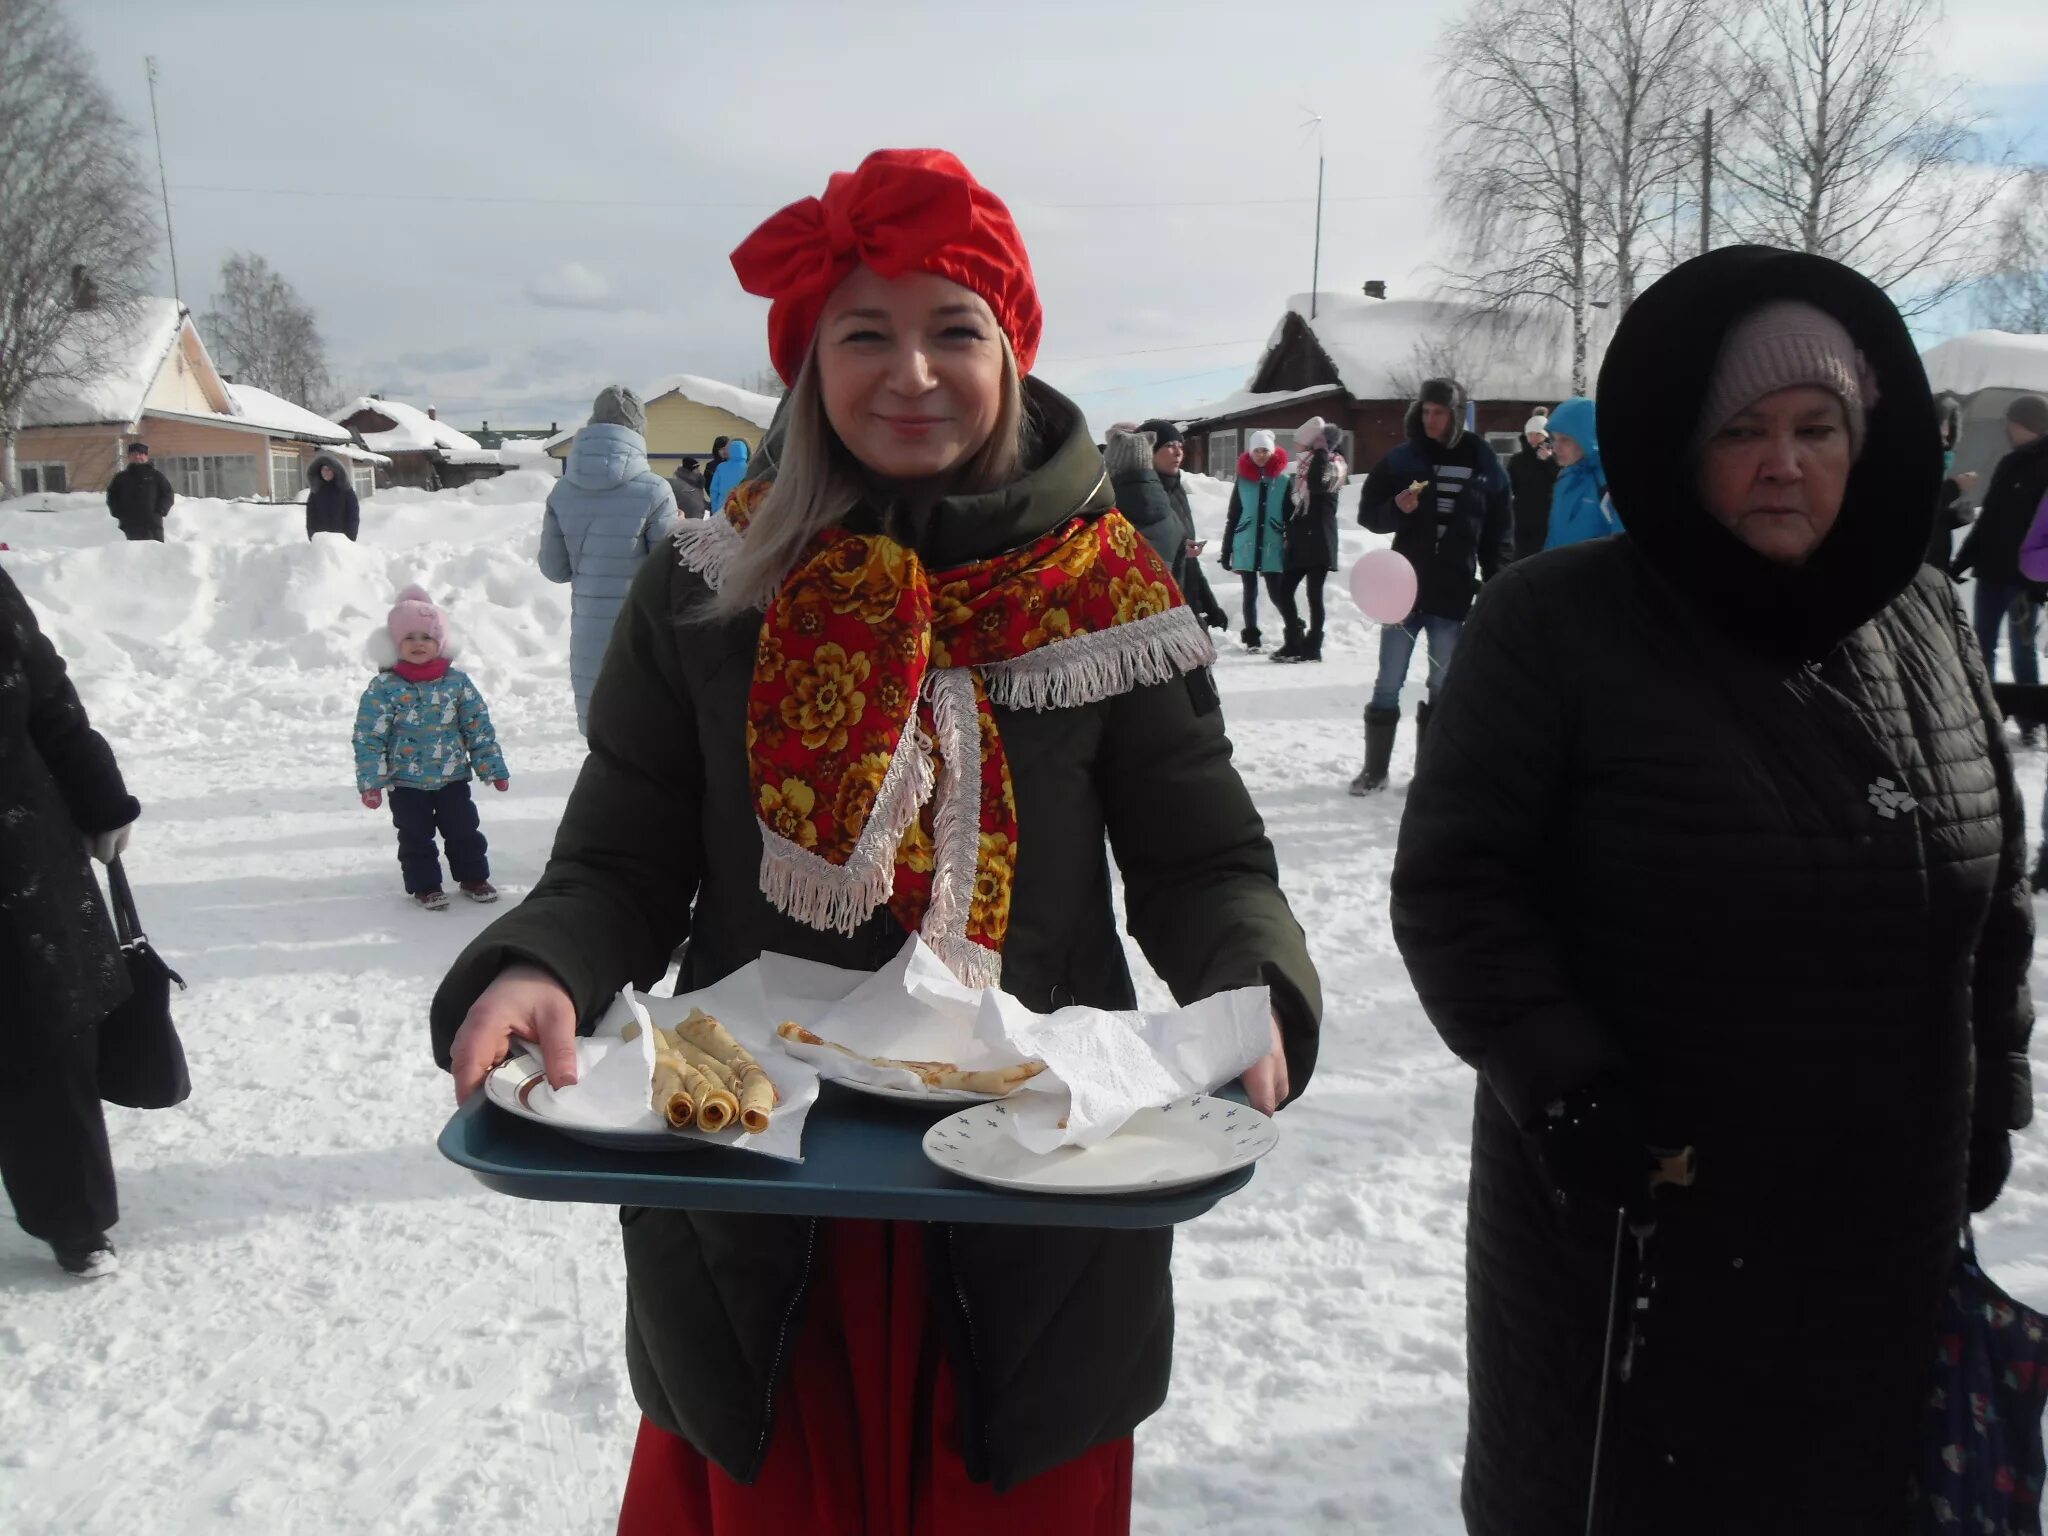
x: 356, y: 455
x: 259, y: 407
x: 743, y: 403
x: 415, y: 431
x: 1374, y: 342
x: 1988, y: 360
x: 1252, y: 400
x: 113, y: 394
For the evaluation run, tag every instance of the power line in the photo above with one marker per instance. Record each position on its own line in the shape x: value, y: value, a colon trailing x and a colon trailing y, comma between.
x: 367, y: 194
x: 1193, y: 346
x: 1182, y: 378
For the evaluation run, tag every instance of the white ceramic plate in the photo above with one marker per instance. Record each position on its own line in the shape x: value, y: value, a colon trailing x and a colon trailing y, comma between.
x: 1188, y: 1142
x: 511, y: 1087
x: 917, y: 1095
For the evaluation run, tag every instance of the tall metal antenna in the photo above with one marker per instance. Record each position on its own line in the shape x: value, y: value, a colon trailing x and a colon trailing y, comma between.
x: 170, y: 238
x: 1315, y: 125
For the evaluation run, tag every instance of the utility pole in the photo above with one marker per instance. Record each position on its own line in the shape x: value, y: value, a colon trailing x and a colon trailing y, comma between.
x: 1315, y: 282
x: 1707, y: 186
x: 170, y: 238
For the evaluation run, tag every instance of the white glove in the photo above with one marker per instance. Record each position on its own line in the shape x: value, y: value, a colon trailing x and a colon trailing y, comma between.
x: 108, y: 846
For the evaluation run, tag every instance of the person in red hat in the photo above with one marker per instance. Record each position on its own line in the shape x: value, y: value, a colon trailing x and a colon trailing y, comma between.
x: 922, y: 678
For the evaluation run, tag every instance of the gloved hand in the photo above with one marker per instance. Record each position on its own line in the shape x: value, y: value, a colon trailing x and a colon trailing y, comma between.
x: 373, y: 798
x: 108, y: 846
x: 501, y: 785
x: 1593, y: 1149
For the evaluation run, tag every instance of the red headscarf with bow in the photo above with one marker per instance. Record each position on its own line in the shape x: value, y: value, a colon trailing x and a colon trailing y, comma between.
x: 904, y: 210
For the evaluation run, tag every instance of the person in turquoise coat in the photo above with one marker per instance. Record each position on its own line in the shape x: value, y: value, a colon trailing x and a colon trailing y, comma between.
x: 1255, y: 536
x: 730, y: 473
x: 1579, y: 506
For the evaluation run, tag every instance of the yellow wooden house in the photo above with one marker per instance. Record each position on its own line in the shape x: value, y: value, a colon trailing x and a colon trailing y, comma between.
x: 686, y: 414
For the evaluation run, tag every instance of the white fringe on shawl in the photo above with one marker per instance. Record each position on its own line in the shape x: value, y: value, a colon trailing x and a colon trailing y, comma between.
x: 1062, y: 675
x: 956, y: 833
x: 1093, y: 667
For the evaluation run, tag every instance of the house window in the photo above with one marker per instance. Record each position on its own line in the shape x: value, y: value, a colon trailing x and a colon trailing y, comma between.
x: 365, y: 479
x: 1223, y: 454
x: 287, y: 476
x: 223, y: 476
x: 35, y: 478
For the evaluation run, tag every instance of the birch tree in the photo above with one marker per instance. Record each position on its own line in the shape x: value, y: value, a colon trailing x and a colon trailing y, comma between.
x: 1844, y: 143
x: 2015, y: 296
x: 264, y: 334
x: 76, y: 234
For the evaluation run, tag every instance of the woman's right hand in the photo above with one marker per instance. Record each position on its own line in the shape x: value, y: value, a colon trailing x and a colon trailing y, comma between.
x: 524, y: 1003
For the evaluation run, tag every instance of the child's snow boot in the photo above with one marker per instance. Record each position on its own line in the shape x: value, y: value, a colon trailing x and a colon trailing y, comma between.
x: 480, y: 891
x: 435, y: 900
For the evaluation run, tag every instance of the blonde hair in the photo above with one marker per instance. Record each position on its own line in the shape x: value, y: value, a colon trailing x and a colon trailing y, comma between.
x: 818, y: 482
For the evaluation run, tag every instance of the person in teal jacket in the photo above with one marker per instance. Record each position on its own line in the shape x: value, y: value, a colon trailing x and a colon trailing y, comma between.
x: 422, y: 730
x: 1579, y: 506
x: 1255, y: 535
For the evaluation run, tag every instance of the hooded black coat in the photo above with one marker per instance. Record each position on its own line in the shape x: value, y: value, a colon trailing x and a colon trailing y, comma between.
x: 1464, y: 527
x: 1059, y: 1339
x: 331, y: 505
x: 1744, y: 842
x: 60, y: 968
x: 1141, y: 497
x: 1992, y: 546
x: 1532, y: 478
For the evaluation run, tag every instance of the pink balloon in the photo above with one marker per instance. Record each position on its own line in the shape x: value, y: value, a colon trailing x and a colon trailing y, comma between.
x: 1384, y: 585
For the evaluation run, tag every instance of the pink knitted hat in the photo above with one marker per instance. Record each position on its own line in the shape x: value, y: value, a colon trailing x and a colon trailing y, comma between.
x: 414, y: 614
x: 1787, y: 344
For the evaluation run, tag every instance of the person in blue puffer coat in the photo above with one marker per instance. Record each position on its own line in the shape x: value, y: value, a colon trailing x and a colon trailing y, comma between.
x: 604, y: 516
x: 731, y: 471
x: 1579, y: 506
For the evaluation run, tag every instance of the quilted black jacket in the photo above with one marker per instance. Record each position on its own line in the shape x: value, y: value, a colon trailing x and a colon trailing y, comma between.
x: 1752, y: 846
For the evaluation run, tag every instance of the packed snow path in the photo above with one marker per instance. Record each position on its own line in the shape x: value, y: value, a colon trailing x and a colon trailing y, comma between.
x: 320, y: 1326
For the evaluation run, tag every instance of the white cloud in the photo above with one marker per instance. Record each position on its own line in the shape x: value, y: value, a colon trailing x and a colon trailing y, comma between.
x: 572, y: 285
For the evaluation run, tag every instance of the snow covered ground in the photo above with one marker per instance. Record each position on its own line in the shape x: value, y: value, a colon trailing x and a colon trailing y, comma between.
x: 320, y: 1326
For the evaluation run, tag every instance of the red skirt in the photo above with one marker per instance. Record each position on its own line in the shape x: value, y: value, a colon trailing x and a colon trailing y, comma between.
x: 865, y: 1439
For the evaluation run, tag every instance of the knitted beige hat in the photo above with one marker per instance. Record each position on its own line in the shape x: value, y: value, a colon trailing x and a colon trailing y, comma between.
x: 1787, y: 344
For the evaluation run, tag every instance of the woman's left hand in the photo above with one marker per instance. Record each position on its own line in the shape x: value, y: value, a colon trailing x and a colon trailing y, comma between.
x: 1266, y: 1082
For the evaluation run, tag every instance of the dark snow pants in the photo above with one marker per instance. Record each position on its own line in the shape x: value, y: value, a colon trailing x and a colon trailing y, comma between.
x: 54, y: 1157
x: 418, y: 813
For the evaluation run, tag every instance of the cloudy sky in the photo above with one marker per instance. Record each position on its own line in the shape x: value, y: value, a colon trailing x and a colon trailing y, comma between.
x: 496, y: 207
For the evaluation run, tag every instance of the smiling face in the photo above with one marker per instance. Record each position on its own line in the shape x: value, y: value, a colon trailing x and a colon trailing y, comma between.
x: 1775, y: 475
x: 911, y: 373
x: 418, y: 647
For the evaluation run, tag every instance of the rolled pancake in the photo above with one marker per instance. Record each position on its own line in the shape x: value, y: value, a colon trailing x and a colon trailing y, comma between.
x: 672, y: 1096
x: 707, y: 1034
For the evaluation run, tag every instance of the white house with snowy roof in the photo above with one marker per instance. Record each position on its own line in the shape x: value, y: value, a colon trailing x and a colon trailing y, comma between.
x: 1984, y: 372
x: 152, y: 381
x: 686, y: 414
x: 424, y: 451
x: 1358, y: 361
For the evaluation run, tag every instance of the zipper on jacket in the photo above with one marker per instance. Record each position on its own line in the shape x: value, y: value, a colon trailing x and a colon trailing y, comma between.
x: 781, y: 1343
x: 973, y: 1354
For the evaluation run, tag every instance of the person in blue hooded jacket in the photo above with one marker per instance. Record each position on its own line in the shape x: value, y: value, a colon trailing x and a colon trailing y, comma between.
x: 604, y: 516
x: 1579, y: 508
x: 730, y: 473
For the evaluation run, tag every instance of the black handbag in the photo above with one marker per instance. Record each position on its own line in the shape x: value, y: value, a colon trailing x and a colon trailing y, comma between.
x: 141, y: 1059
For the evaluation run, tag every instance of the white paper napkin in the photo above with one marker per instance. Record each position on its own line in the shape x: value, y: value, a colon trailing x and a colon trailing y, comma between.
x: 1102, y: 1067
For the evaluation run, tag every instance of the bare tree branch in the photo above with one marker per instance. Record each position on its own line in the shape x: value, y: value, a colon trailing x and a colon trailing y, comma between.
x: 75, y: 228
x: 2015, y: 296
x: 266, y: 335
x: 1847, y: 146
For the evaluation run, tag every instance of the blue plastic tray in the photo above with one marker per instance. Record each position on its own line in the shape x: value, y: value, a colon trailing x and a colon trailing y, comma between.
x: 863, y: 1159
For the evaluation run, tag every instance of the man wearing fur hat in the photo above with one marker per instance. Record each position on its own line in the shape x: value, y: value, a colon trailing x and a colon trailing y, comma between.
x: 1444, y: 497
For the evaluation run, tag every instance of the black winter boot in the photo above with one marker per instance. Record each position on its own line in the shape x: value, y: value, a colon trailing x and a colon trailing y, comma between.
x: 2039, y: 878
x: 1380, y: 728
x: 1290, y: 647
x: 1422, y: 720
x: 1312, y: 646
x: 1250, y: 637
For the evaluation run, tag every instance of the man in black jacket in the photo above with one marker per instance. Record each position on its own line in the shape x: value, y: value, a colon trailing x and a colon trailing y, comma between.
x: 1168, y: 452
x: 1444, y: 497
x: 1532, y: 474
x: 1992, y: 546
x: 139, y: 496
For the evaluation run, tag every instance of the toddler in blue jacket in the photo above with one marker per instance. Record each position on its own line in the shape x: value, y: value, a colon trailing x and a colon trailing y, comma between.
x: 421, y: 731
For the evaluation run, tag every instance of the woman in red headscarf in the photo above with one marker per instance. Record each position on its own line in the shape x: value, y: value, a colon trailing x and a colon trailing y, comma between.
x: 922, y: 680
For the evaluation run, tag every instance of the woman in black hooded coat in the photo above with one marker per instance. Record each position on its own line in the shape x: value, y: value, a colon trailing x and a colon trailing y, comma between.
x: 331, y: 504
x: 1710, y: 850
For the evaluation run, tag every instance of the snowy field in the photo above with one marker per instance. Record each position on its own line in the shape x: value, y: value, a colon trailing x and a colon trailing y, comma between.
x: 320, y: 1326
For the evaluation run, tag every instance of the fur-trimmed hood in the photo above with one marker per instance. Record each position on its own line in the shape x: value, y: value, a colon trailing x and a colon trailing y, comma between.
x: 342, y: 480
x: 1276, y: 466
